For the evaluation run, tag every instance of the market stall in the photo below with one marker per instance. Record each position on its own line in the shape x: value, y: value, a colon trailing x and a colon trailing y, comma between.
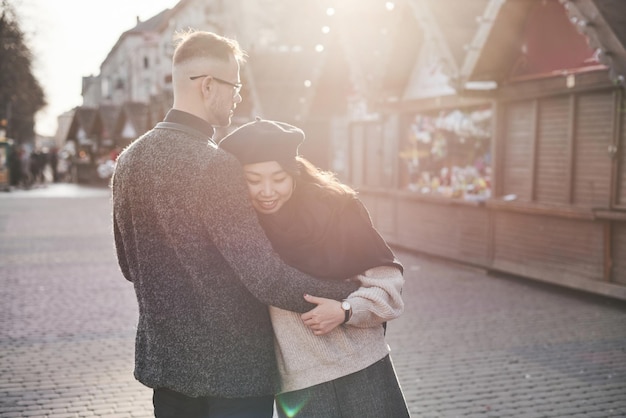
x: 531, y: 182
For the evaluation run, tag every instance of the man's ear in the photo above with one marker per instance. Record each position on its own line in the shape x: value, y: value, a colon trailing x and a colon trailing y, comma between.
x: 206, y: 87
x: 206, y: 83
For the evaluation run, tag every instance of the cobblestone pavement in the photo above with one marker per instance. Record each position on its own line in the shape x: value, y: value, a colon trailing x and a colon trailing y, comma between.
x: 468, y: 345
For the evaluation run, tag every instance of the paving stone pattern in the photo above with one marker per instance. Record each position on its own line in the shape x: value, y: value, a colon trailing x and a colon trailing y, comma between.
x: 468, y: 345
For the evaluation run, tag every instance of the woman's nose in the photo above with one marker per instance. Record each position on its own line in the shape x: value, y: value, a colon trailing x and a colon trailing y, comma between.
x: 267, y: 189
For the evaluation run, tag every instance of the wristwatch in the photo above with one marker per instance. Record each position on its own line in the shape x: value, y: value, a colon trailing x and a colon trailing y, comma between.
x: 347, y: 309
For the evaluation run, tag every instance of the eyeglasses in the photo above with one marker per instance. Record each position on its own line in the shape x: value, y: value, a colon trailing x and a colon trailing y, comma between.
x: 236, y: 86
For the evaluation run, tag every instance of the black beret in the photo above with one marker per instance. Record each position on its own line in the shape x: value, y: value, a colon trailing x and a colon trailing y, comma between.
x: 265, y: 140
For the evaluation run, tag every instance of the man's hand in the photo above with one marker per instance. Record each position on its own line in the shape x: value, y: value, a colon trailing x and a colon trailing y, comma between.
x: 325, y: 317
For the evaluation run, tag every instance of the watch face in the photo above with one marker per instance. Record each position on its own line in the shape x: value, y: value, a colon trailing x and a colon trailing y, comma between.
x: 345, y: 305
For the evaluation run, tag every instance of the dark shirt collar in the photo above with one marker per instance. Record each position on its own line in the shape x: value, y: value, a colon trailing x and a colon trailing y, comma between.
x: 192, y: 121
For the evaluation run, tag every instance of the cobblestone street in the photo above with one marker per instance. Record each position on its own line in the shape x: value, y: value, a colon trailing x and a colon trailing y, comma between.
x: 468, y: 345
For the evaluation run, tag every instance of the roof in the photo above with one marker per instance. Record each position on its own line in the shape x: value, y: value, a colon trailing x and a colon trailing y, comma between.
x: 368, y: 51
x: 85, y: 118
x: 109, y: 115
x: 458, y: 22
x: 156, y: 24
x: 431, y: 43
x: 136, y: 114
x: 594, y: 30
x: 614, y: 13
x: 604, y: 24
x: 83, y: 123
x: 380, y: 45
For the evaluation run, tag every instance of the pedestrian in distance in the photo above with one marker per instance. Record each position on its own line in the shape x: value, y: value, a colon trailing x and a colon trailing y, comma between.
x: 189, y: 240
x: 334, y: 361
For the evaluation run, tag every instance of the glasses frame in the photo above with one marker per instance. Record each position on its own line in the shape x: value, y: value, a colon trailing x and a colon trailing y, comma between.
x: 236, y: 86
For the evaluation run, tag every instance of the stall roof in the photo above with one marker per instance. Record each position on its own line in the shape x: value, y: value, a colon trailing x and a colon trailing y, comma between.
x: 439, y: 47
x: 498, y: 43
x: 83, y: 124
x: 604, y: 24
x: 368, y: 51
x: 109, y: 115
x: 458, y: 22
x: 85, y: 117
x: 506, y: 19
x: 133, y: 120
x: 614, y: 13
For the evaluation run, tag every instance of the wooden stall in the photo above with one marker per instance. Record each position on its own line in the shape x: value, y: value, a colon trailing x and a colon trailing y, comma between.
x: 426, y: 194
x: 555, y: 209
x: 554, y: 213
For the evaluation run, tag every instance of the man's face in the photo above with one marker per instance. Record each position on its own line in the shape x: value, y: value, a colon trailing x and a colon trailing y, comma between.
x: 224, y: 97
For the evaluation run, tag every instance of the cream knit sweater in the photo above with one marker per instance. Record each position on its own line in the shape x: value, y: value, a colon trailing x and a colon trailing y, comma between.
x: 305, y: 359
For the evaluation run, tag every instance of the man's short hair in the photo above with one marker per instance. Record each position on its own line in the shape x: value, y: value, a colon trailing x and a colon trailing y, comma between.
x: 193, y: 44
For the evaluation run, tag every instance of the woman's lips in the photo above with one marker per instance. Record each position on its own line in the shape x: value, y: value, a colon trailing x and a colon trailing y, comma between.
x: 268, y: 204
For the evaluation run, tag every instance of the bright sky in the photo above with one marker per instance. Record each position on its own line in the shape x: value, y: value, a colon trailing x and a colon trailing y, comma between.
x: 70, y: 39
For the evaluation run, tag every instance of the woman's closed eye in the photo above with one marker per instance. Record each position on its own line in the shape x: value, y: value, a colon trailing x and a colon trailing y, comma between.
x: 254, y: 182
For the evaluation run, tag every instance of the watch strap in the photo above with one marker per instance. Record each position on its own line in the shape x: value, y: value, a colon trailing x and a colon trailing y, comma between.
x: 347, y: 312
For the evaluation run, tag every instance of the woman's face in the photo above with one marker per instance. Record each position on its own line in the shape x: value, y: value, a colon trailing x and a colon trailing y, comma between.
x: 269, y: 186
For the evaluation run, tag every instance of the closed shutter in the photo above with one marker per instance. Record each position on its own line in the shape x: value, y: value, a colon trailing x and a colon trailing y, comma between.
x: 592, y: 163
x: 558, y: 249
x: 553, y: 151
x: 517, y: 153
x: 458, y: 232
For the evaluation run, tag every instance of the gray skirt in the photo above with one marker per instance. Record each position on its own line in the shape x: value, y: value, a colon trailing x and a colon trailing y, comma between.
x: 373, y: 392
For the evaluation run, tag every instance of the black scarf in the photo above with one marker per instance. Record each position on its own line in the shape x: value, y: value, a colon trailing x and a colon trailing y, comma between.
x: 326, y: 235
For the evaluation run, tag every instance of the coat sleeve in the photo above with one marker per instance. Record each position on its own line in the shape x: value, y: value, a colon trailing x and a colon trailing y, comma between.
x: 379, y: 298
x: 119, y: 248
x: 236, y: 231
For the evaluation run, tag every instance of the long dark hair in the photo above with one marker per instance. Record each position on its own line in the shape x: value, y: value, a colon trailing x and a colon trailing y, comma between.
x: 309, y: 174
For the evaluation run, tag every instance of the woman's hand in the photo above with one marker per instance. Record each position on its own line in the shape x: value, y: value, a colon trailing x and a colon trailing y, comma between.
x: 325, y: 317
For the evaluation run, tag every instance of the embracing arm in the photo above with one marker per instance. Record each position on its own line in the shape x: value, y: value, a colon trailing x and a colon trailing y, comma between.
x: 378, y: 300
x: 234, y: 226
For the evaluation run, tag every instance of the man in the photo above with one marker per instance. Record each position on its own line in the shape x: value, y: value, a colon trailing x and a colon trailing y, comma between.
x: 188, y: 238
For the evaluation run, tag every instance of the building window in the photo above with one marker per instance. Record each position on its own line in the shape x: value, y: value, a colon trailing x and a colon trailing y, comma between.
x: 106, y: 88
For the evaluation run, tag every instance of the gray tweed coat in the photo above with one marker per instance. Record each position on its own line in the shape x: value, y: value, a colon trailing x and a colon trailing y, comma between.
x: 188, y: 238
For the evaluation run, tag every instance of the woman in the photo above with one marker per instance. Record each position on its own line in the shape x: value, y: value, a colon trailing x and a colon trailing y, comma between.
x: 333, y: 360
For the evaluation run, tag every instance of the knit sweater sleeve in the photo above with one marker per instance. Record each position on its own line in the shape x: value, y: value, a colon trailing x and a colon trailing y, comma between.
x: 242, y: 242
x: 379, y: 298
x: 119, y: 248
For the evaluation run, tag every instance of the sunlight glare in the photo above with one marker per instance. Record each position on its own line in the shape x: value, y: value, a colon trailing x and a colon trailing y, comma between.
x: 292, y: 410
